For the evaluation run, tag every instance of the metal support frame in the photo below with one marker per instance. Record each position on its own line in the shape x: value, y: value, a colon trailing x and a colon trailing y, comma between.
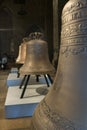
x: 25, y: 81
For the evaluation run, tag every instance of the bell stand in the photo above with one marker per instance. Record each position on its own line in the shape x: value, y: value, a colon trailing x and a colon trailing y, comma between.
x: 26, y: 78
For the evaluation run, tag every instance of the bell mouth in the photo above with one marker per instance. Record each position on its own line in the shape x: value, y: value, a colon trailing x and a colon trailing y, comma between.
x: 35, y: 72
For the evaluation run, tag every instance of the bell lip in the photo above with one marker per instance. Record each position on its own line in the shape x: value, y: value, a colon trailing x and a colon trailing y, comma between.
x: 20, y: 62
x: 36, y: 73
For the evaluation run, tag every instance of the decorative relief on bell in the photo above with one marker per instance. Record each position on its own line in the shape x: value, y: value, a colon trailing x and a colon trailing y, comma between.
x: 36, y: 35
x: 74, y: 6
x: 72, y: 23
x: 74, y: 16
x: 73, y: 50
x: 59, y: 121
x: 74, y: 41
x: 73, y: 29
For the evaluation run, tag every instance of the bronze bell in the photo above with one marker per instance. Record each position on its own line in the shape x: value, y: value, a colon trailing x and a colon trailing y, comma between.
x: 19, y: 55
x: 22, y: 52
x: 37, y: 60
x: 65, y: 106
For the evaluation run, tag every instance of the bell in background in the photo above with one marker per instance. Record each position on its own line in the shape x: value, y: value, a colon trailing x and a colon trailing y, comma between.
x: 37, y: 60
x: 19, y: 55
x: 22, y: 52
x: 65, y: 106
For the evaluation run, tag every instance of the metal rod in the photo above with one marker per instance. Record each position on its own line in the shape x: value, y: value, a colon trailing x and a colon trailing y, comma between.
x: 22, y: 81
x: 18, y: 75
x: 46, y: 80
x: 37, y: 78
x: 27, y: 79
x: 50, y: 78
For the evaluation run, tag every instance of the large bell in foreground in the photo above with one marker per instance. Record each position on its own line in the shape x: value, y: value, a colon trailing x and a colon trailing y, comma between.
x: 37, y: 60
x: 65, y: 106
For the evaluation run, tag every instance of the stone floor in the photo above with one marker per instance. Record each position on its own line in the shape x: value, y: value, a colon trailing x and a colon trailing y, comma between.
x: 9, y: 124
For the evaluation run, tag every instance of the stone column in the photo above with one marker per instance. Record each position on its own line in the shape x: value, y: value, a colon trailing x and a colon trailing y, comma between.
x: 55, y: 33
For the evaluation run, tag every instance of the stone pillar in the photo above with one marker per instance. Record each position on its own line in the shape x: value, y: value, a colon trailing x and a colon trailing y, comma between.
x: 55, y: 33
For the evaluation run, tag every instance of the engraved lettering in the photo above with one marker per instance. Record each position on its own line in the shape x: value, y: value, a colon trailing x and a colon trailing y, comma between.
x: 74, y: 6
x: 76, y: 15
x: 70, y: 50
x: 59, y: 121
x: 75, y: 29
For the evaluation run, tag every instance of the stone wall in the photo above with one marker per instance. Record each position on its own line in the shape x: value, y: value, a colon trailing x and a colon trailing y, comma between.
x: 17, y: 20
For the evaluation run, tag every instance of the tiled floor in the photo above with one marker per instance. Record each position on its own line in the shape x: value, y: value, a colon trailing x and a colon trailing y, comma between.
x: 9, y: 124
